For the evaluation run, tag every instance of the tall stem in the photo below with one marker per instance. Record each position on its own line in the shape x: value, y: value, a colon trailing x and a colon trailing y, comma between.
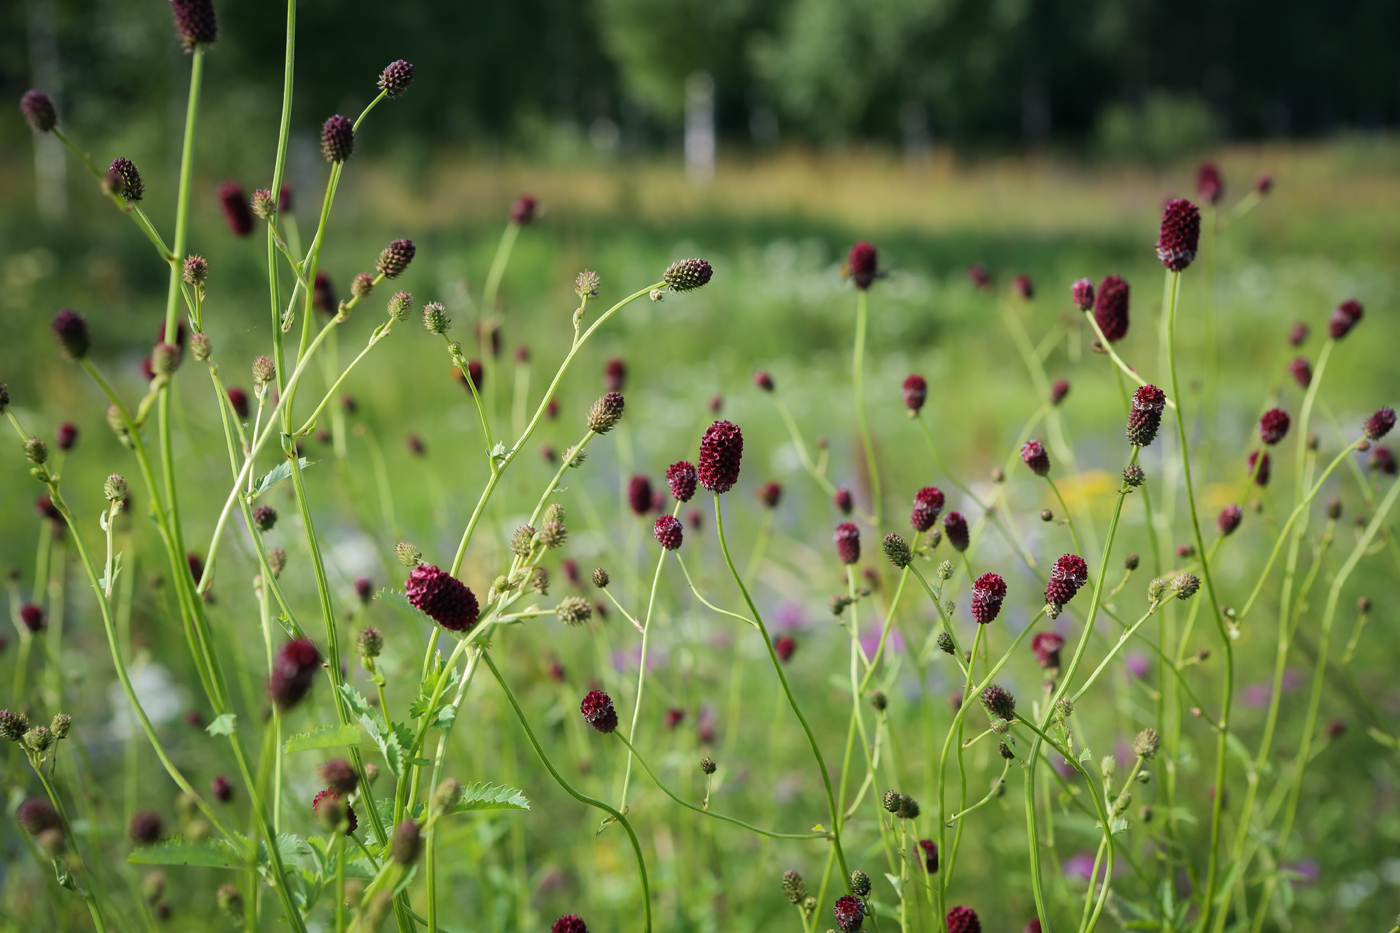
x: 834, y: 811
x: 858, y: 377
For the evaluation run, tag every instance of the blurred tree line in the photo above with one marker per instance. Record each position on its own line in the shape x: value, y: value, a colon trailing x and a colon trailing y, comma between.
x: 1143, y: 76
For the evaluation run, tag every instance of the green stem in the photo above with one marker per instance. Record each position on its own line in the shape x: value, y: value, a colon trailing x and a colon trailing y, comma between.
x: 569, y: 788
x: 858, y: 377
x: 834, y: 811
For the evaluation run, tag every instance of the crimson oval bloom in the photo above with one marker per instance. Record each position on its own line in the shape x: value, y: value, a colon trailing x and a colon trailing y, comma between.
x: 1180, y: 234
x: 597, y: 708
x: 1379, y: 425
x: 987, y: 595
x: 1209, y: 183
x: 1046, y: 646
x: 843, y: 501
x: 915, y: 392
x: 1082, y: 292
x: 1347, y: 316
x: 721, y: 450
x: 236, y: 210
x: 669, y: 532
x: 963, y: 920
x: 1260, y: 473
x: 1382, y: 460
x: 930, y: 849
x: 1298, y: 334
x: 1229, y: 520
x: 1068, y: 575
x: 522, y: 211
x: 32, y: 616
x: 1145, y: 417
x: 1034, y: 456
x: 770, y: 494
x: 639, y: 494
x: 955, y: 529
x: 1024, y: 286
x: 328, y: 797
x: 928, y: 503
x: 238, y: 400
x: 849, y: 913
x: 1058, y: 391
x: 337, y: 139
x: 1111, y: 308
x: 847, y: 538
x: 681, y: 477
x: 1301, y: 371
x: 862, y: 263
x: 442, y: 597
x: 784, y: 646
x: 763, y: 380
x: 71, y: 330
x: 293, y: 670
x: 1273, y: 426
x: 568, y: 924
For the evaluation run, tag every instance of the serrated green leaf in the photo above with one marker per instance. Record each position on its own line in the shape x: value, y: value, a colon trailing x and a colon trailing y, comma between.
x: 211, y: 853
x: 484, y: 796
x: 276, y: 475
x: 324, y: 737
x: 359, y: 868
x: 398, y: 600
x: 227, y: 724
x: 358, y: 704
x: 102, y: 584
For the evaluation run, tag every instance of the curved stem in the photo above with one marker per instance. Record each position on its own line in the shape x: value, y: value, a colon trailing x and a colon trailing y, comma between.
x: 569, y: 788
x: 834, y: 811
x: 858, y: 377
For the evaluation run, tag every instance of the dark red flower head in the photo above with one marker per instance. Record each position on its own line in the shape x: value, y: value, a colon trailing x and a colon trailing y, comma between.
x: 639, y: 494
x: 674, y: 716
x: 843, y: 501
x: 1264, y: 183
x: 442, y: 597
x: 785, y: 645
x: 1024, y: 286
x: 987, y: 595
x: 1069, y: 574
x: 238, y: 400
x: 614, y: 375
x: 1111, y: 308
x: 337, y: 139
x: 721, y: 450
x: 597, y: 708
x: 36, y: 815
x: 1058, y: 391
x: 955, y: 530
x: 1209, y: 185
x: 1180, y: 234
x: 1273, y: 426
x: 395, y: 258
x: 32, y: 616
x: 1347, y: 315
x: 1146, y: 415
x: 71, y: 329
x: 1046, y: 646
x: 669, y: 532
x: 999, y: 701
x: 928, y: 503
x: 1260, y: 473
x: 293, y: 670
x: 977, y: 274
x: 849, y: 913
x: 1034, y: 456
x: 195, y: 21
x: 963, y: 920
x: 146, y: 827
x: 1229, y: 520
x: 67, y: 435
x: 1382, y: 460
x: 329, y: 797
x: 45, y: 507
x: 568, y: 924
x: 686, y: 275
x: 396, y: 78
x: 681, y: 477
x: 930, y: 850
x: 863, y: 264
x: 1378, y: 425
x: 522, y: 210
x: 236, y: 210
x: 39, y: 110
x: 1082, y: 292
x: 364, y: 589
x: 1298, y: 334
x: 847, y: 538
x: 763, y: 381
x: 915, y: 392
x: 770, y: 494
x: 1301, y: 370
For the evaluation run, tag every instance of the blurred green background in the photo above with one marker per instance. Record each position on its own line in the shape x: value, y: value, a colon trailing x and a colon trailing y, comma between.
x: 1032, y: 138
